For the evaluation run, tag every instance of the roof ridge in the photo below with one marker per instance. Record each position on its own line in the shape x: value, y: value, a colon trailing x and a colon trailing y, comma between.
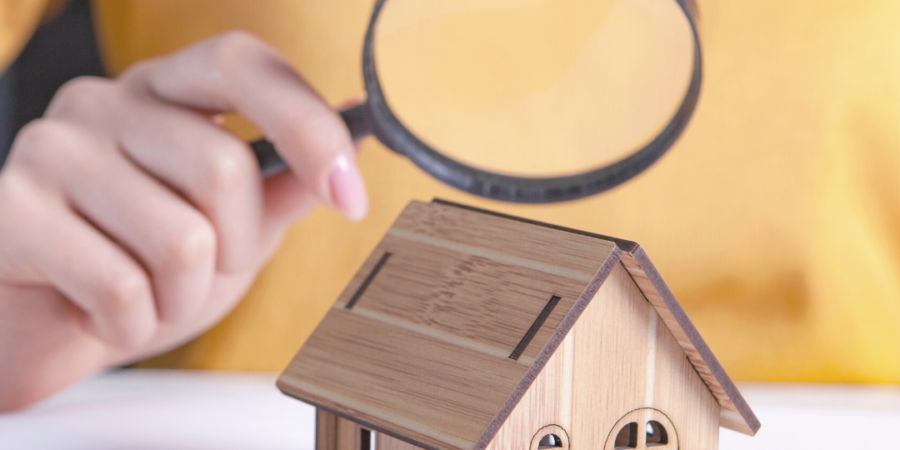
x: 726, y: 392
x: 624, y: 244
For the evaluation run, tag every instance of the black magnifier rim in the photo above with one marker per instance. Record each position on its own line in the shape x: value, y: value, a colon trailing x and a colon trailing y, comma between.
x: 394, y: 135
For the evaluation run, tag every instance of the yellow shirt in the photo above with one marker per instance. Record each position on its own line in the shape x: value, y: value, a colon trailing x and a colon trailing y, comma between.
x: 775, y: 219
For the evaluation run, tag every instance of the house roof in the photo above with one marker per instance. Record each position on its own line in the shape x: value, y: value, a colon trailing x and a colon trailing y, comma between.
x: 441, y: 319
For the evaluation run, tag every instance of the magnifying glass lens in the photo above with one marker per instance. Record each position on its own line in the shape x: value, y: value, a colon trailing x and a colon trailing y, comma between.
x: 534, y: 88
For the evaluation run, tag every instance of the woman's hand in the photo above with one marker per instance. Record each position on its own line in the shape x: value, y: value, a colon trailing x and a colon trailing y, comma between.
x: 130, y: 221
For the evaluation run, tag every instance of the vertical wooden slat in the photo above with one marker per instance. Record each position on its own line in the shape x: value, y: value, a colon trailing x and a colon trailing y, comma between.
x: 326, y: 431
x: 610, y: 370
x: 347, y: 435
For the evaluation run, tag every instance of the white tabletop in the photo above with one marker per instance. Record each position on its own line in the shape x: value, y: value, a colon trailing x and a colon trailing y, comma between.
x: 163, y: 409
x: 153, y: 409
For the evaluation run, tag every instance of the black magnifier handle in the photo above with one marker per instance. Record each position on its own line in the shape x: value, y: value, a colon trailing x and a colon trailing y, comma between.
x: 271, y: 163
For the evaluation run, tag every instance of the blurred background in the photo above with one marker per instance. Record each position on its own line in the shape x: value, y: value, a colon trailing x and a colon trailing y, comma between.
x: 775, y: 219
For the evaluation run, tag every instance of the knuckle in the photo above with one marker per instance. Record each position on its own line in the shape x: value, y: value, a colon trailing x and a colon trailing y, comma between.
x: 42, y: 133
x: 41, y: 139
x: 229, y: 168
x: 233, y: 49
x: 9, y: 203
x: 138, y: 70
x: 80, y: 94
x: 192, y: 245
x: 16, y: 192
x: 124, y: 290
x: 124, y: 314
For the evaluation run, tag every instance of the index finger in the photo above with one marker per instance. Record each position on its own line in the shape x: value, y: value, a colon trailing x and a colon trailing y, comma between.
x: 236, y: 72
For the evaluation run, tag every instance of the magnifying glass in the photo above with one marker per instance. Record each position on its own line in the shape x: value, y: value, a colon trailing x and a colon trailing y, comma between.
x: 526, y: 101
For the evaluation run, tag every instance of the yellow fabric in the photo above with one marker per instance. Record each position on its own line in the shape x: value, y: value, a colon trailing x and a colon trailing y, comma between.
x: 775, y: 219
x: 18, y: 19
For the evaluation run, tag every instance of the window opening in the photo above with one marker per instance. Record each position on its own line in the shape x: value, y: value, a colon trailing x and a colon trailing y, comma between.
x: 627, y: 437
x: 656, y: 434
x: 366, y: 439
x: 550, y: 441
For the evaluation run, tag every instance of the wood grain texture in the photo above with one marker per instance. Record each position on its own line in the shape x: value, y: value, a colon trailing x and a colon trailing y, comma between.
x: 560, y: 435
x: 347, y: 435
x: 635, y: 427
x: 548, y: 401
x: 385, y: 442
x: 460, y: 296
x: 326, y: 431
x: 617, y: 359
x: 736, y: 414
x: 578, y: 253
x: 337, y: 433
x: 424, y: 353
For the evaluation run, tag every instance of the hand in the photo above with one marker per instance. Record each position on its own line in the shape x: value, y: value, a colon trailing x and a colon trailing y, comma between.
x: 130, y: 221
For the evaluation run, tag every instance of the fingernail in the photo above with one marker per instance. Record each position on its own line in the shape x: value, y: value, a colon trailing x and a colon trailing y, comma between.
x: 348, y: 192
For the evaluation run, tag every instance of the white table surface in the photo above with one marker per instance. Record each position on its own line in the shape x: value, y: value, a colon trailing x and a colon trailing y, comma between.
x: 154, y: 409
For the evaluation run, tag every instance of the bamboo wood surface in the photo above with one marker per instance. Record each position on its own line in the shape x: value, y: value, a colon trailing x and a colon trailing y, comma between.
x: 385, y: 442
x: 561, y: 438
x: 424, y: 342
x: 347, y: 435
x: 618, y: 358
x: 736, y: 414
x: 424, y: 351
x: 336, y: 433
x: 326, y: 430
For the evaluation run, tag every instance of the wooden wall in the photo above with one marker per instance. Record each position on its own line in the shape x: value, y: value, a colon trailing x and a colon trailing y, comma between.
x: 618, y: 358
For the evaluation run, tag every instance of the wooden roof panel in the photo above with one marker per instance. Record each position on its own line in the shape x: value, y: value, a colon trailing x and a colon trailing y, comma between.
x: 420, y: 344
x: 735, y: 413
x: 463, y: 295
x: 397, y: 379
x: 443, y: 222
x: 437, y: 330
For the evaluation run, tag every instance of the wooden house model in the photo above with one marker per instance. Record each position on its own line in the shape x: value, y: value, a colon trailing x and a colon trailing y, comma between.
x: 467, y: 329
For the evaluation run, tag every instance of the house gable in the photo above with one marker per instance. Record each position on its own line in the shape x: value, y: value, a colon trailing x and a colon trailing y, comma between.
x: 735, y: 413
x: 619, y: 357
x: 453, y: 317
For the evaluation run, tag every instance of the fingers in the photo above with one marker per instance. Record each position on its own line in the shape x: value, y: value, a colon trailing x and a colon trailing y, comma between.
x: 147, y: 189
x: 287, y: 200
x: 126, y: 199
x: 236, y: 72
x: 175, y: 242
x: 208, y: 165
x: 61, y: 249
x: 187, y: 151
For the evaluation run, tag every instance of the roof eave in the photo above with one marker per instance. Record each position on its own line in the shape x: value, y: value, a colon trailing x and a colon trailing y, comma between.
x: 735, y: 412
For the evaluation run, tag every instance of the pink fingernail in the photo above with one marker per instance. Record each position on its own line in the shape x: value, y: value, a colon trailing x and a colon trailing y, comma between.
x: 348, y: 192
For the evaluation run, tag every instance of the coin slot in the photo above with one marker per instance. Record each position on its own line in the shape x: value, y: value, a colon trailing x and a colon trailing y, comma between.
x: 535, y: 327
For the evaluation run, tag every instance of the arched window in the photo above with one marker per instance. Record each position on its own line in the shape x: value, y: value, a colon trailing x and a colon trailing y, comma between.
x: 656, y: 434
x: 550, y: 441
x: 642, y: 429
x: 627, y: 437
x: 550, y: 437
